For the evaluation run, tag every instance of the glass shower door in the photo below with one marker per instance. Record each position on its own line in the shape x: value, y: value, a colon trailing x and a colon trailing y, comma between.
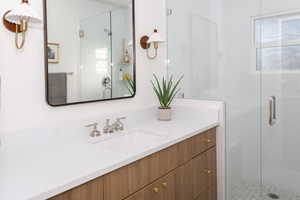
x: 278, y: 62
x: 95, y: 56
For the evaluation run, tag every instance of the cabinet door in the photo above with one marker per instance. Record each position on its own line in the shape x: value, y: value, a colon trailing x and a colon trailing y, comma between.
x: 92, y: 190
x: 126, y: 180
x: 205, y: 176
x: 199, y: 174
x: 163, y: 162
x: 209, y: 194
x: 168, y: 187
x: 212, y: 167
x: 183, y: 182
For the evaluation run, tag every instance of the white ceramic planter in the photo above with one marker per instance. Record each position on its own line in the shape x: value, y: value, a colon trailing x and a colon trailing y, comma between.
x: 164, y: 114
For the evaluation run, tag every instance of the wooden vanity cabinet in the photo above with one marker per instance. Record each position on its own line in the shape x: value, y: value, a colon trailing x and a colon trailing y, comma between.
x: 184, y: 171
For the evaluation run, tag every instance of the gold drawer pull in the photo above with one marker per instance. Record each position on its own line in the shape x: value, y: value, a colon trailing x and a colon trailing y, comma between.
x: 165, y: 184
x: 208, y: 141
x: 208, y: 171
x: 156, y: 189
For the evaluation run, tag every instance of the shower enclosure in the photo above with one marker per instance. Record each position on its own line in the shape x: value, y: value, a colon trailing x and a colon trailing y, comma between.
x: 246, y: 53
x: 96, y: 50
x: 103, y: 40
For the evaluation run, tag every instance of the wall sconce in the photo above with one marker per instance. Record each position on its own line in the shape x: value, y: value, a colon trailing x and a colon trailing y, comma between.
x: 17, y: 20
x: 155, y: 38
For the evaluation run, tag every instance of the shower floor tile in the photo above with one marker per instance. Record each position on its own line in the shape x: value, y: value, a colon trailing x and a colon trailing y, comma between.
x: 247, y: 191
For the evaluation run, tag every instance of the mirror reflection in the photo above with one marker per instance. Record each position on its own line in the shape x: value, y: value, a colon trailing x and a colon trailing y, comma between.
x: 90, y: 51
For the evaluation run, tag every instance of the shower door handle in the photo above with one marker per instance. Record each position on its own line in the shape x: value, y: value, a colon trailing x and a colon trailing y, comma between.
x: 272, y: 111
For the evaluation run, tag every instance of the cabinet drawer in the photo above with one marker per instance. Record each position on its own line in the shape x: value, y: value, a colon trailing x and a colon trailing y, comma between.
x: 127, y: 180
x: 203, y: 142
x: 162, y: 189
x: 92, y: 190
x: 196, y: 145
x: 204, y: 172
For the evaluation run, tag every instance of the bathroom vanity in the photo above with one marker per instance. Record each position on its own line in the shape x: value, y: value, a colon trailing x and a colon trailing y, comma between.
x: 183, y: 171
x: 182, y: 159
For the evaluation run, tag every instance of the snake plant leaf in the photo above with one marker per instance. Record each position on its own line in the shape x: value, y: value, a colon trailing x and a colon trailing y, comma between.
x: 176, y: 85
x: 173, y: 97
x: 157, y: 93
x: 158, y: 86
x: 165, y: 90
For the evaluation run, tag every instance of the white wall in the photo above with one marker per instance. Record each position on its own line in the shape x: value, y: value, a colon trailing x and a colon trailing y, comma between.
x: 22, y: 72
x: 195, y: 52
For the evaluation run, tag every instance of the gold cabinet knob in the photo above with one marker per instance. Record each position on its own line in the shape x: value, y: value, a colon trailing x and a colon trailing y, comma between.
x: 156, y: 189
x: 208, y: 171
x: 165, y: 184
x: 207, y: 141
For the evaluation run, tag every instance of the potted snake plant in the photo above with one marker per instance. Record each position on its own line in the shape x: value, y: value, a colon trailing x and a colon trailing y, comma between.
x: 166, y: 91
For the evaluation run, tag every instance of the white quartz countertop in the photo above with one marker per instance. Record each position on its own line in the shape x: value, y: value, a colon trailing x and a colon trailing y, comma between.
x: 41, y: 163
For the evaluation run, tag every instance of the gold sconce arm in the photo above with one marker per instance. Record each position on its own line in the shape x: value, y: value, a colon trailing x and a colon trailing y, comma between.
x: 21, y: 32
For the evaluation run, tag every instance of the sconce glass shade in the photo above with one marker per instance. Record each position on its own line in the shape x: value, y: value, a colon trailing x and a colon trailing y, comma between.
x: 23, y: 11
x: 130, y: 43
x: 155, y: 37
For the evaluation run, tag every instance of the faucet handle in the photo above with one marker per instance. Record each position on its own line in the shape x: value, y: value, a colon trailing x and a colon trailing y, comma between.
x: 119, y: 124
x: 95, y: 131
x: 93, y: 125
x: 120, y: 118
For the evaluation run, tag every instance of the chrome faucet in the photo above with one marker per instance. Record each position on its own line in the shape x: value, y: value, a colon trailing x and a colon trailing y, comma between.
x: 94, y: 132
x: 118, y: 125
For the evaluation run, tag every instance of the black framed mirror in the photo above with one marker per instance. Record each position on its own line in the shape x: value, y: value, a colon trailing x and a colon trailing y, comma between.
x: 89, y: 51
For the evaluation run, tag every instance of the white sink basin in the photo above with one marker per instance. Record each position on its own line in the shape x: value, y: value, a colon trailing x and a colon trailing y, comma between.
x: 131, y: 141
